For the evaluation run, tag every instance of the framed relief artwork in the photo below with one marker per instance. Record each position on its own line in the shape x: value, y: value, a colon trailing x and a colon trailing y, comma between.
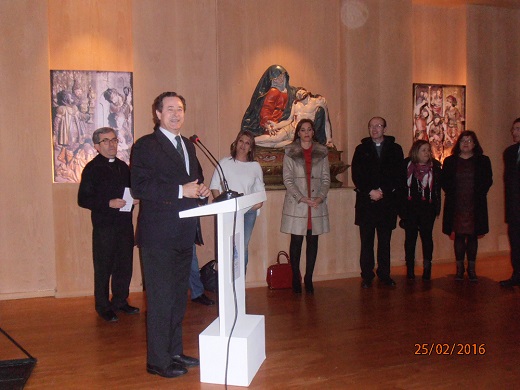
x: 81, y: 102
x: 439, y: 116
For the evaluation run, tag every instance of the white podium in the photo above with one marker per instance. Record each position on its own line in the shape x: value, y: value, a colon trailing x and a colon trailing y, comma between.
x: 247, y: 344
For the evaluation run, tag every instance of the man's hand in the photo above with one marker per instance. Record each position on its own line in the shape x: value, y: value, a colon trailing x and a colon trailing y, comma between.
x: 117, y: 203
x: 195, y: 190
x: 204, y: 191
x: 376, y: 195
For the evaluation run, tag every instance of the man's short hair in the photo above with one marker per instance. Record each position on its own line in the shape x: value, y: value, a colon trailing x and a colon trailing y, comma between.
x: 377, y: 117
x: 158, y: 102
x: 102, y: 130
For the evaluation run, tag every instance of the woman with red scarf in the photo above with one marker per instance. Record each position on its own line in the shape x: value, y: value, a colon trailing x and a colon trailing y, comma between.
x: 421, y: 205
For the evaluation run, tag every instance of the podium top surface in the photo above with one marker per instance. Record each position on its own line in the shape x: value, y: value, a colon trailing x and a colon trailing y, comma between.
x: 227, y: 206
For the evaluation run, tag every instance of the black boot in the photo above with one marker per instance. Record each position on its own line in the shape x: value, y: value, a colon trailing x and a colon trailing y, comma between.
x: 410, y: 273
x: 427, y: 270
x: 460, y: 271
x: 472, y: 275
x: 296, y: 278
x: 309, y: 287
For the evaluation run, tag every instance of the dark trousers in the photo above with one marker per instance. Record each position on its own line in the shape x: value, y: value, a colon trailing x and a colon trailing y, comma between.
x: 466, y: 245
x: 166, y: 272
x: 112, y: 249
x: 514, y: 241
x: 311, y: 252
x: 422, y: 225
x: 366, y: 259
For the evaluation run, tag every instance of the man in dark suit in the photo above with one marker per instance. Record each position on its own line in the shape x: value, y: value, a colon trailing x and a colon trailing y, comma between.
x: 512, y: 195
x: 378, y: 176
x: 101, y: 190
x: 165, y: 178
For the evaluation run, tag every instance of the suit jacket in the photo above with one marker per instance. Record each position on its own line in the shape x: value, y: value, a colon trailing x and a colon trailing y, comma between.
x: 100, y: 182
x: 370, y: 172
x: 157, y: 170
x: 512, y: 184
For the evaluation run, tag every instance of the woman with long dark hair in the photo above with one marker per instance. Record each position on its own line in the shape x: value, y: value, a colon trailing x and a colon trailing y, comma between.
x: 243, y: 175
x: 466, y: 179
x: 306, y: 175
x: 421, y: 204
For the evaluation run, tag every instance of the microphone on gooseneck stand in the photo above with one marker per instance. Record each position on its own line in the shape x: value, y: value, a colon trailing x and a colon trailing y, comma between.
x: 227, y: 194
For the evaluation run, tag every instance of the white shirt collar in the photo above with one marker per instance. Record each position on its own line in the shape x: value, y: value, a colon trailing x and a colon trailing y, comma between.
x: 170, y: 136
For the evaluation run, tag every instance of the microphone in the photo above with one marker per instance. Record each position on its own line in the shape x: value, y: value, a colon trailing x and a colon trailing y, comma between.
x: 227, y: 194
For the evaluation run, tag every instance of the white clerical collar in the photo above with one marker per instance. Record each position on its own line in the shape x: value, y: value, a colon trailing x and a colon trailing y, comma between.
x: 111, y: 159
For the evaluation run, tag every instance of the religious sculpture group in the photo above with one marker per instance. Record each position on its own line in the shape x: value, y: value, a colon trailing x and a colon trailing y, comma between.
x: 275, y: 109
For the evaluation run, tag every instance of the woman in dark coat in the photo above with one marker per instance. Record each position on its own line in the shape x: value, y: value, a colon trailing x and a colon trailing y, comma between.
x: 421, y: 204
x: 466, y: 179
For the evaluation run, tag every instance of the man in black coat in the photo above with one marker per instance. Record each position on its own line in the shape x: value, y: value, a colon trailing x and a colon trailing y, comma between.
x: 378, y: 176
x: 101, y: 190
x: 512, y: 195
x: 166, y: 180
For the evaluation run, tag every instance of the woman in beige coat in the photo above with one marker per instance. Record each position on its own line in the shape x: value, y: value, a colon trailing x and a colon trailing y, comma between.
x: 306, y: 176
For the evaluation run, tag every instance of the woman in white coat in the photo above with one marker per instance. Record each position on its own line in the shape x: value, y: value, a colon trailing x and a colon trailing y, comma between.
x: 306, y: 176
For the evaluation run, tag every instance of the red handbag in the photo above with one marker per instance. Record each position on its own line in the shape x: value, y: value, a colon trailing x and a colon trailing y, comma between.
x: 279, y: 275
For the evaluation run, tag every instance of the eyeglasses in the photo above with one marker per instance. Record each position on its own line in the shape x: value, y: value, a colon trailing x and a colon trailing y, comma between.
x: 106, y: 141
x: 466, y: 141
x: 377, y: 126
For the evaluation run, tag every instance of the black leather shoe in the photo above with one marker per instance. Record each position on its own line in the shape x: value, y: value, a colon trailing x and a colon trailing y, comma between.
x: 366, y: 284
x: 388, y: 282
x: 185, y: 361
x: 108, y: 316
x: 127, y: 309
x: 204, y: 300
x: 172, y: 371
x: 510, y: 282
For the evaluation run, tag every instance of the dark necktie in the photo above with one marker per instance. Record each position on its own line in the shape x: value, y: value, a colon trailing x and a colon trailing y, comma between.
x: 179, y: 148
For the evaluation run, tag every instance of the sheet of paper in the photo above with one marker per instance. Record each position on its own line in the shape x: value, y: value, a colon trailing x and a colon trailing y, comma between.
x: 129, y: 201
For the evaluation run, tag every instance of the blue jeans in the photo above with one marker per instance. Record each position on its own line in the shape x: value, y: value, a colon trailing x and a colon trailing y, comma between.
x: 249, y: 224
x: 196, y: 286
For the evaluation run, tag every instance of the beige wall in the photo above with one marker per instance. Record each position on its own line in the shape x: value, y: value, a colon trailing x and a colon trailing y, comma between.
x: 95, y: 35
x: 27, y: 236
x: 214, y: 52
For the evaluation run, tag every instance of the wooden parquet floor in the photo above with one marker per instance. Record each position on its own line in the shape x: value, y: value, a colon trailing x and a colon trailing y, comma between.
x: 437, y: 335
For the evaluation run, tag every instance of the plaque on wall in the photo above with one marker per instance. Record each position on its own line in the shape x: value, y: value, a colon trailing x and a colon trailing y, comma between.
x: 81, y: 102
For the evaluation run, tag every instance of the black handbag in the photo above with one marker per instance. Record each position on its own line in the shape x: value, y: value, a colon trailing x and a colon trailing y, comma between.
x: 209, y: 276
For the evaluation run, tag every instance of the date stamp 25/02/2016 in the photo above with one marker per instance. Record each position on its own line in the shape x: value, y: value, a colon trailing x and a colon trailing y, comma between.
x: 450, y: 349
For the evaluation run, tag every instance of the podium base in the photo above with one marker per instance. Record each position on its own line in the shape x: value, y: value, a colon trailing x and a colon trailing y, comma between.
x: 246, y: 351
